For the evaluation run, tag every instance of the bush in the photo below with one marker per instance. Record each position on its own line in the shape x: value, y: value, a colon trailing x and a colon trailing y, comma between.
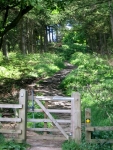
x: 93, y: 79
x: 11, y: 145
x: 71, y: 145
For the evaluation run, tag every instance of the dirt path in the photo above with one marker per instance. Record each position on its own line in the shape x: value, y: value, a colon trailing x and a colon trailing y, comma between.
x: 49, y: 87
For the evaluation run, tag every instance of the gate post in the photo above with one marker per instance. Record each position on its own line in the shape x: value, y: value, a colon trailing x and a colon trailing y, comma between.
x: 87, y: 124
x: 76, y: 117
x: 23, y: 114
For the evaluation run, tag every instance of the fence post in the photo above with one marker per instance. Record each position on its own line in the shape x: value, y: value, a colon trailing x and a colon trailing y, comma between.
x: 76, y: 117
x: 87, y: 123
x: 23, y: 114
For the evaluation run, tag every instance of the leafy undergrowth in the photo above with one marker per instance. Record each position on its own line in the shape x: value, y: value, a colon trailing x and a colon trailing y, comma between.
x: 11, y: 145
x: 71, y: 145
x: 94, y: 80
x: 20, y: 70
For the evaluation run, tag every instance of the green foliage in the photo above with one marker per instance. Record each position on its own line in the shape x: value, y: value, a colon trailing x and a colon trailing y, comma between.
x: 93, y: 78
x: 34, y: 115
x: 20, y: 67
x: 71, y: 145
x: 72, y: 37
x: 72, y: 42
x: 38, y: 115
x: 11, y: 145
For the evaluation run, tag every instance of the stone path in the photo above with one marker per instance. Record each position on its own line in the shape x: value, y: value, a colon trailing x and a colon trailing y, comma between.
x: 50, y: 87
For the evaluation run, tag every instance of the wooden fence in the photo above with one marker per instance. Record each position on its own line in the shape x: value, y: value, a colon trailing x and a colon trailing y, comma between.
x: 21, y: 120
x: 74, y: 131
x: 89, y: 129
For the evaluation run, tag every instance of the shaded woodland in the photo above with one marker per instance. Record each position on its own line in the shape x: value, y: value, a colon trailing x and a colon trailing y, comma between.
x: 31, y: 26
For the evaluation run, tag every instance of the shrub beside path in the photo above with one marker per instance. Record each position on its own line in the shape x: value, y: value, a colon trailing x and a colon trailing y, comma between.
x: 50, y: 87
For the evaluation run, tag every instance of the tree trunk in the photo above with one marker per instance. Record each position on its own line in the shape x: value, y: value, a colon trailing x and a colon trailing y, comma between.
x: 52, y: 34
x: 23, y: 43
x: 28, y: 35
x: 57, y: 35
x: 111, y: 17
x: 100, y: 43
x: 8, y: 46
x: 105, y: 45
x: 49, y: 34
x: 45, y: 39
x: 1, y: 41
x: 31, y: 36
x: 10, y: 26
x: 35, y: 40
x: 4, y: 48
x: 41, y: 41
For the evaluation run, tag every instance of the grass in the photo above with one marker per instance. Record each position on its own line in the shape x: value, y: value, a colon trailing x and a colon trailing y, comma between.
x: 33, y: 65
x: 19, y: 70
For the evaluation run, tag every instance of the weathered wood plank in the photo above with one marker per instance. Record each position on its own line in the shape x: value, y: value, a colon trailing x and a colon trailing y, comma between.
x: 23, y: 113
x: 10, y: 119
x: 76, y: 117
x: 43, y: 129
x: 47, y: 129
x: 98, y: 128
x: 10, y: 131
x: 30, y: 97
x: 52, y: 119
x: 100, y: 140
x: 51, y: 98
x: 89, y: 128
x: 45, y: 116
x: 48, y: 120
x: 10, y: 106
x: 51, y: 110
x: 55, y: 98
x: 87, y: 123
x: 42, y: 137
x: 104, y: 128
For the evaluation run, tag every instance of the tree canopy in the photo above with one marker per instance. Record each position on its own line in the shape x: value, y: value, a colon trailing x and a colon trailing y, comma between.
x: 92, y: 19
x: 12, y: 11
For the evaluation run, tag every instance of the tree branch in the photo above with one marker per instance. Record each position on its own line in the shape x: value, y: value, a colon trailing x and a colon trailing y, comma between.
x: 5, y: 16
x: 80, y: 6
x: 12, y: 5
x: 22, y: 12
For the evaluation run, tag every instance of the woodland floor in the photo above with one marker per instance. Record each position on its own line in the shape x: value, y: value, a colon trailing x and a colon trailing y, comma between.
x: 50, y: 87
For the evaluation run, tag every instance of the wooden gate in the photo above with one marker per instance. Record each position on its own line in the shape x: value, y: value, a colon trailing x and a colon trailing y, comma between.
x: 74, y: 130
x: 71, y: 127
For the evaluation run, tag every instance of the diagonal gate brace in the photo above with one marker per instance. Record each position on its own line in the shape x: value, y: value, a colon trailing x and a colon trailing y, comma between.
x: 52, y: 119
